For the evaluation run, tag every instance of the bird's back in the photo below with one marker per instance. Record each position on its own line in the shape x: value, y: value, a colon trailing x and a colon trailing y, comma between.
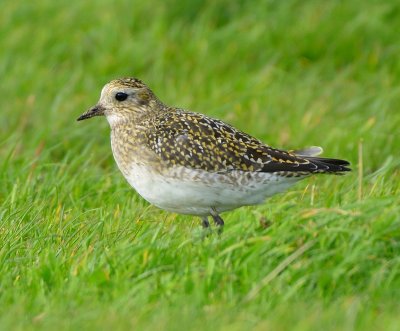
x: 193, y: 140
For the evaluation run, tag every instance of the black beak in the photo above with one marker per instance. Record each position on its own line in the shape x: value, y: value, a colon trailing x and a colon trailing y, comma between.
x: 94, y: 111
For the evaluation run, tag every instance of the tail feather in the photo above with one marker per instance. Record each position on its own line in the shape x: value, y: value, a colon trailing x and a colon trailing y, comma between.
x: 324, y: 165
x: 303, y: 162
x: 327, y: 165
x: 308, y: 151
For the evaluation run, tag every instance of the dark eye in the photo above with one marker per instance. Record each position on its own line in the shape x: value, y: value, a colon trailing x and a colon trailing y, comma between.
x: 121, y: 96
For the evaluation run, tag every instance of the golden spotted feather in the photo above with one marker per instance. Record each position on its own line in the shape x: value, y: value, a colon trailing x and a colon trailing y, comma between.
x: 196, y: 141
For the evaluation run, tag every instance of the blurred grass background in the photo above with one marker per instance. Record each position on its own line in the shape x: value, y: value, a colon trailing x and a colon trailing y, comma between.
x: 80, y: 250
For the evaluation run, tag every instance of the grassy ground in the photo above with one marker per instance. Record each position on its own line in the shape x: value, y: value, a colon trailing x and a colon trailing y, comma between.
x: 79, y: 249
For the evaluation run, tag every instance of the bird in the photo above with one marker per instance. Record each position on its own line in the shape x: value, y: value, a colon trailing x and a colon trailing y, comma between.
x: 189, y: 163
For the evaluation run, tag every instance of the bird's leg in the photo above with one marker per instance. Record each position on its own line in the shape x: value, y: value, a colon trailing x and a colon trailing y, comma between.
x: 217, y: 220
x: 204, y: 222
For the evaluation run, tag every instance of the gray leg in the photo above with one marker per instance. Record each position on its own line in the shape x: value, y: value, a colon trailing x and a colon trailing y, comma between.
x: 204, y: 222
x: 217, y: 219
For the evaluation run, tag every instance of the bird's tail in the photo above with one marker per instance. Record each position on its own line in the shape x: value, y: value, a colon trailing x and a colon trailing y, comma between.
x: 324, y: 165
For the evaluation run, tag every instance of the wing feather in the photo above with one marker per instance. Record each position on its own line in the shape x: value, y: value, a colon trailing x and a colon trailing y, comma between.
x: 196, y: 141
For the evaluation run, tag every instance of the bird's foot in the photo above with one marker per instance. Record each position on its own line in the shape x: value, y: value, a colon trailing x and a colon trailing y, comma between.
x: 204, y: 222
x: 219, y: 222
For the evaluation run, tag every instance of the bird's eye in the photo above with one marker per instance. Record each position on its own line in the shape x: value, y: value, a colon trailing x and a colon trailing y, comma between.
x: 121, y: 96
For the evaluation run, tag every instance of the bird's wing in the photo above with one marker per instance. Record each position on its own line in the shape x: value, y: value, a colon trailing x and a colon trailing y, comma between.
x: 195, y: 141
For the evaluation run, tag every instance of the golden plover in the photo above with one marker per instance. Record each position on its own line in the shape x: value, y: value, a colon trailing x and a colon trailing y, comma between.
x: 189, y: 163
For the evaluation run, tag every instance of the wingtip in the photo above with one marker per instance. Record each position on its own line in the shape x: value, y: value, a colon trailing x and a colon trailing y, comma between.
x: 335, y: 166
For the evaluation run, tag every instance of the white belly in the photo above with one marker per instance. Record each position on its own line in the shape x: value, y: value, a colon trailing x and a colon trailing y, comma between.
x: 195, y: 192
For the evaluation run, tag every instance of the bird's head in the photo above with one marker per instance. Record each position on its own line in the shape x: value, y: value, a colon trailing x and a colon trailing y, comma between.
x: 123, y: 99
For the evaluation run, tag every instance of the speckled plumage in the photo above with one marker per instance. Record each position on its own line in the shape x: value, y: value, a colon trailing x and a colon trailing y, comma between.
x: 193, y: 164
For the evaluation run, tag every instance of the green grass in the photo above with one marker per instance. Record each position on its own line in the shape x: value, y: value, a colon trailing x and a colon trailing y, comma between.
x: 80, y: 250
